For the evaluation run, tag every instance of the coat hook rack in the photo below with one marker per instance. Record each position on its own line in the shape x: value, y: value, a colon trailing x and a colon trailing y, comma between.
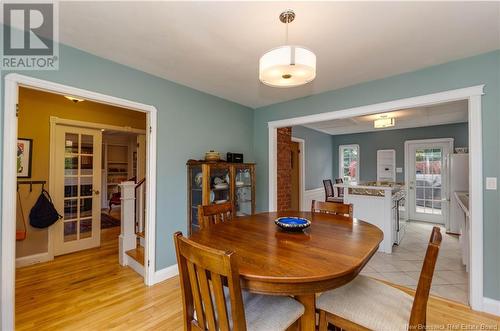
x: 31, y: 183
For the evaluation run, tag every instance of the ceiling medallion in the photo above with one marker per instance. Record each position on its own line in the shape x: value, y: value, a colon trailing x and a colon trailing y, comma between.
x: 288, y: 65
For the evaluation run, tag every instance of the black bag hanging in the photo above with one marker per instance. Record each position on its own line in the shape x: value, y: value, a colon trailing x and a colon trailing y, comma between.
x: 43, y: 214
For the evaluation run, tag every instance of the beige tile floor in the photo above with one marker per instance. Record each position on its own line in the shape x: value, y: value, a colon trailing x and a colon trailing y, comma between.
x: 403, y: 266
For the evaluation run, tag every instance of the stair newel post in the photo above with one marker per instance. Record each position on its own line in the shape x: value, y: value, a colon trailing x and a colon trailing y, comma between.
x: 128, y: 238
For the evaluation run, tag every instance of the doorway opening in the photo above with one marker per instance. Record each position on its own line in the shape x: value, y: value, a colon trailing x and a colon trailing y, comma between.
x: 471, y: 97
x: 71, y: 160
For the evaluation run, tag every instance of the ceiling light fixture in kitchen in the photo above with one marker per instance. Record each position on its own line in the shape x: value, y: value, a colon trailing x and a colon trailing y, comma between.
x: 384, y: 122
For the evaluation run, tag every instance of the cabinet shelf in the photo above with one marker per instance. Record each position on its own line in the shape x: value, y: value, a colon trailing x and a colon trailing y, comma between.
x: 220, y: 189
x: 244, y: 201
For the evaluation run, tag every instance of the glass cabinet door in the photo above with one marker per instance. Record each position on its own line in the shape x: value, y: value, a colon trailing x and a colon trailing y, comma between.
x: 196, y: 194
x: 219, y: 184
x: 243, y: 190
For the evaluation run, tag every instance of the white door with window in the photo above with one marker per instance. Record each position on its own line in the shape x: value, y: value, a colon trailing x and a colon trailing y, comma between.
x: 428, y: 180
x: 77, y: 171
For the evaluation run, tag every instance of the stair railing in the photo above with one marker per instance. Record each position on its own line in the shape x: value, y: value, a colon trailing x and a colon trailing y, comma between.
x: 140, y: 206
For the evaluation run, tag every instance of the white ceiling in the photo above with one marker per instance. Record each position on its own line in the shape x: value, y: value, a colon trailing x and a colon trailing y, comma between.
x: 445, y: 113
x: 215, y: 46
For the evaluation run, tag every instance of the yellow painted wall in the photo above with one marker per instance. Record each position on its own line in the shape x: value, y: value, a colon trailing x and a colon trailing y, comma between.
x: 35, y: 110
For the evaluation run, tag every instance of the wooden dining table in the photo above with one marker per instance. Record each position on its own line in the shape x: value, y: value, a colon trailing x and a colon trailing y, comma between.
x: 328, y: 254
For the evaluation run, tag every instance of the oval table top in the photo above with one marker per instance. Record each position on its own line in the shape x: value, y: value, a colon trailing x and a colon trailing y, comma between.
x: 330, y: 253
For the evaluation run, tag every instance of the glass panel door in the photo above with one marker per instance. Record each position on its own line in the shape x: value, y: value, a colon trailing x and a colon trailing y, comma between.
x: 219, y: 184
x: 428, y: 180
x: 195, y: 195
x: 243, y: 191
x: 77, y: 183
x: 427, y: 187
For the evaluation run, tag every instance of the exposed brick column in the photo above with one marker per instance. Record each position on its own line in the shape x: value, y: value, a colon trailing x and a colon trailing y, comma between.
x: 284, y: 170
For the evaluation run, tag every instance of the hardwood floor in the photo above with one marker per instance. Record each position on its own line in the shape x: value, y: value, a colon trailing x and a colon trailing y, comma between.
x: 89, y: 290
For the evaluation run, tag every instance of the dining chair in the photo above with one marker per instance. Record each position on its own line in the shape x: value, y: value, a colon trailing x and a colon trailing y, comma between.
x: 333, y: 208
x: 340, y: 190
x: 329, y: 192
x: 212, y: 297
x: 368, y: 304
x: 215, y: 214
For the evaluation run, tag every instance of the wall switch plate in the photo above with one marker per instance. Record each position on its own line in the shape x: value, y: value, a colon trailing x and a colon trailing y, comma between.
x: 491, y: 183
x: 399, y: 170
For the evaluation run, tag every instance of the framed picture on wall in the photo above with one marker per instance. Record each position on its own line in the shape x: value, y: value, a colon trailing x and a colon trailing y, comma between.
x: 24, y: 157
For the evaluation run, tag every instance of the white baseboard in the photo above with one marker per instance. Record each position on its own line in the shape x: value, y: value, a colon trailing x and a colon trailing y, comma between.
x: 491, y: 306
x: 310, y: 195
x: 165, y: 273
x: 33, y: 259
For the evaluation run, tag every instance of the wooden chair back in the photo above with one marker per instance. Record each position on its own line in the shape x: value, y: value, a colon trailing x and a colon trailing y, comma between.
x: 340, y: 190
x: 197, y: 265
x: 215, y: 214
x: 418, y: 312
x: 334, y: 208
x: 327, y: 184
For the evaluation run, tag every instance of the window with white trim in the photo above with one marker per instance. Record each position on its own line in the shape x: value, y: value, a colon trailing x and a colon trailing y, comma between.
x: 349, y: 163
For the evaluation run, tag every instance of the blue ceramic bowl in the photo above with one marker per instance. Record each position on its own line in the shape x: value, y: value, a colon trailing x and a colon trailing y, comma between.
x: 292, y: 223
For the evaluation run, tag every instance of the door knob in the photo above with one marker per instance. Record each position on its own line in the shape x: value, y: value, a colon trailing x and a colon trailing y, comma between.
x: 96, y: 192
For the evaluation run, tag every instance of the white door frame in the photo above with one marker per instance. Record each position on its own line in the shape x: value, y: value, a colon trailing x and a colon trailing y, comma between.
x: 444, y: 168
x: 302, y: 172
x: 12, y: 83
x: 473, y: 96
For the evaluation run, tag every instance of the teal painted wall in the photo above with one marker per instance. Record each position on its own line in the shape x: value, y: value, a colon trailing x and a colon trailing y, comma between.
x: 318, y: 155
x: 481, y: 69
x: 189, y: 124
x: 370, y: 142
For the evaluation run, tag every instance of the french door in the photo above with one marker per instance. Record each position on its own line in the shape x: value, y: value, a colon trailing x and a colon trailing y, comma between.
x: 77, y: 167
x: 428, y: 180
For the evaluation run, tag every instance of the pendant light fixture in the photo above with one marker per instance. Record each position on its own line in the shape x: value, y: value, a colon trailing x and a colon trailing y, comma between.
x: 288, y: 65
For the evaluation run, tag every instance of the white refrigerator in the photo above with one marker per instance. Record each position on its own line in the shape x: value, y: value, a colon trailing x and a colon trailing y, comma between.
x: 458, y: 165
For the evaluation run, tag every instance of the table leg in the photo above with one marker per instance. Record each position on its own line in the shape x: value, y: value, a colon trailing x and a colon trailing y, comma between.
x: 308, y: 320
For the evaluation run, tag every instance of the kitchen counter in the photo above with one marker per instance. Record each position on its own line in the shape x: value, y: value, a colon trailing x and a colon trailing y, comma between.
x: 463, y: 200
x: 373, y: 202
x: 372, y: 188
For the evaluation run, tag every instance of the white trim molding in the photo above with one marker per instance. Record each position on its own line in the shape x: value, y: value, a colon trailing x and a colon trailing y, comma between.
x: 473, y: 95
x: 165, y: 273
x: 33, y: 259
x: 12, y: 83
x: 94, y: 125
x: 491, y: 306
x: 302, y: 168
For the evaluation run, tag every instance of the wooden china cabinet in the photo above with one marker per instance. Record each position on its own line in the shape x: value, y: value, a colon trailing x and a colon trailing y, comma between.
x: 218, y: 182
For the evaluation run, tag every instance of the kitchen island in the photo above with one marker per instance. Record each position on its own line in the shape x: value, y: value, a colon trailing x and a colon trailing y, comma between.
x: 381, y: 204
